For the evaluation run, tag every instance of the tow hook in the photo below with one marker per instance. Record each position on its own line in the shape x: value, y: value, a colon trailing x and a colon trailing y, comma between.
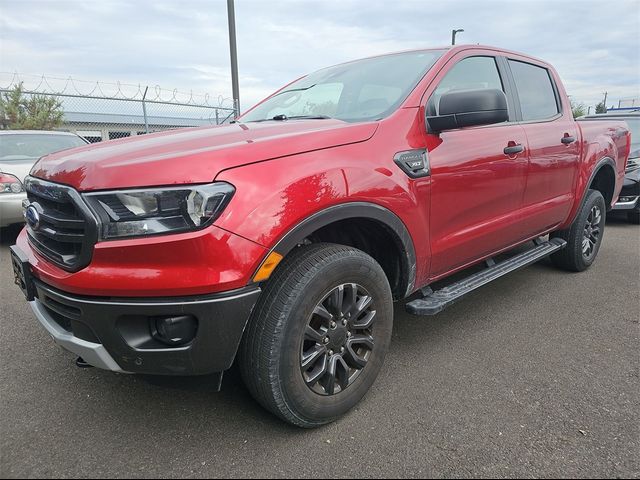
x: 80, y: 363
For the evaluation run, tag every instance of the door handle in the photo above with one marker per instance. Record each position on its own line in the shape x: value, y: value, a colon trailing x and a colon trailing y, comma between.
x: 513, y: 149
x: 567, y: 139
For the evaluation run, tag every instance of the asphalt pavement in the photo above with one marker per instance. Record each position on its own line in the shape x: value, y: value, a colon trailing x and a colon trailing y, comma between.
x: 534, y: 375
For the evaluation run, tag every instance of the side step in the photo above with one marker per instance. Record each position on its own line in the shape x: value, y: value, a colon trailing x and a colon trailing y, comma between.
x: 435, y: 302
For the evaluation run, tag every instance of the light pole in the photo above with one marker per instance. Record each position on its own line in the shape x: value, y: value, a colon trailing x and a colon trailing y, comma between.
x: 453, y: 35
x: 231, y: 14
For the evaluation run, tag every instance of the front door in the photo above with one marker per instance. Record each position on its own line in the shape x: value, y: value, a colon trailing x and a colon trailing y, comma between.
x: 477, y: 188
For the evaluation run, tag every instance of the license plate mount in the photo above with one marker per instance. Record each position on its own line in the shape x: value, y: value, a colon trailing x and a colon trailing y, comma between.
x: 22, y: 273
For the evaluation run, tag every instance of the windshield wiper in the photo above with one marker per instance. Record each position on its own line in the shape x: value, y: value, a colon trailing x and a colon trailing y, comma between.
x: 282, y: 117
x: 301, y: 89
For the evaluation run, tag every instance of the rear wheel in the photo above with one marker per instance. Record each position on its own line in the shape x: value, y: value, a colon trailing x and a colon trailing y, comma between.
x: 584, y: 237
x: 318, y: 335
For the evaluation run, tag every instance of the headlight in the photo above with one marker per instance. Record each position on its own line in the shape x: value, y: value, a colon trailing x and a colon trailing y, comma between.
x: 137, y: 213
x: 10, y: 184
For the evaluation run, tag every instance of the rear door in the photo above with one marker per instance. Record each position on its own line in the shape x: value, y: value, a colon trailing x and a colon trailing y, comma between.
x: 476, y: 188
x: 552, y: 135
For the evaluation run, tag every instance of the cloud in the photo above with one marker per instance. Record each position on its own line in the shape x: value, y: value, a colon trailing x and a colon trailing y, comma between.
x: 184, y: 44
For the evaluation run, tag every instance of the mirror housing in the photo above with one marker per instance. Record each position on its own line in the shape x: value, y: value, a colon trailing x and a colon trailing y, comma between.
x: 469, y: 108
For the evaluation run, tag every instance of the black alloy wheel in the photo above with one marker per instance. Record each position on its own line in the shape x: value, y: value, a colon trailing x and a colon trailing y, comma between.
x: 592, y: 230
x: 338, y: 339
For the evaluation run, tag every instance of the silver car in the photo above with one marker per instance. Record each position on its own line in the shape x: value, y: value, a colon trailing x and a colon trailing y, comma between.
x: 19, y: 150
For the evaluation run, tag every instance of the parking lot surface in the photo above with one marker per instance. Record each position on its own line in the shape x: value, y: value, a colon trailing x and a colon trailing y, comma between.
x: 534, y: 375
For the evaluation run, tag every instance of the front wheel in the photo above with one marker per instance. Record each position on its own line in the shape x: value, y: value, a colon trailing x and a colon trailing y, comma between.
x: 634, y: 217
x: 318, y: 335
x: 584, y: 237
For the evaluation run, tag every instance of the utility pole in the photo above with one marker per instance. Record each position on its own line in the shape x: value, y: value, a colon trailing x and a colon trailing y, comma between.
x: 604, y: 102
x: 453, y: 35
x: 231, y: 14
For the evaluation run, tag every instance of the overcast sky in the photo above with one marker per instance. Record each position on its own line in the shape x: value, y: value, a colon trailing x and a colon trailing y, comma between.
x: 183, y: 44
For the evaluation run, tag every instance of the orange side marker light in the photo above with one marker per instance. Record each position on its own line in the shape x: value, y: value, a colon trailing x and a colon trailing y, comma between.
x: 268, y: 266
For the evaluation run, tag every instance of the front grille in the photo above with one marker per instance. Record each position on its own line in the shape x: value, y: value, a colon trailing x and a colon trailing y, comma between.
x: 66, y: 231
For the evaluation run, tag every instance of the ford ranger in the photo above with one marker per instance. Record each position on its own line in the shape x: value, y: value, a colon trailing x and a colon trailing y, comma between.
x: 281, y: 241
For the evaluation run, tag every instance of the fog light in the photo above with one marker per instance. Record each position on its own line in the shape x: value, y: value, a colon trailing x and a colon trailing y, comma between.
x: 174, y: 331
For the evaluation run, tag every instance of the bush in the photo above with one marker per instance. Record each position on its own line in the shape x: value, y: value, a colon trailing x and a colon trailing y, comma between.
x: 29, y: 112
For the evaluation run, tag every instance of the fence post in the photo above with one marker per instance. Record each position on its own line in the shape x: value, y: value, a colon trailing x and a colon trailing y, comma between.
x: 217, y: 117
x: 144, y: 110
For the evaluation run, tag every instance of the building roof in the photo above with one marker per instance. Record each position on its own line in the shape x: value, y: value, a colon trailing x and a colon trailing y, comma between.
x: 138, y: 120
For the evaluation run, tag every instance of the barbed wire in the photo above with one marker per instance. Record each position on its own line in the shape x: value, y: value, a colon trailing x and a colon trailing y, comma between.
x: 86, y: 88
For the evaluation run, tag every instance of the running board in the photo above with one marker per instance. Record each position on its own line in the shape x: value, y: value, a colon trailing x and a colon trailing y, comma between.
x: 435, y: 302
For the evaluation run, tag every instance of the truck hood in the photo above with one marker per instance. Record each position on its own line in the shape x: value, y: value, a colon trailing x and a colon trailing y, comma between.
x: 194, y: 155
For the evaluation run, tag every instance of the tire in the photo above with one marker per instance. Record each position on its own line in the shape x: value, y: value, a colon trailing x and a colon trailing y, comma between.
x: 634, y: 217
x: 584, y: 236
x: 285, y: 329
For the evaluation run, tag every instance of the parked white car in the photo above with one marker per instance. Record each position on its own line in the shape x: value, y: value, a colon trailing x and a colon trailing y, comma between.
x: 19, y: 150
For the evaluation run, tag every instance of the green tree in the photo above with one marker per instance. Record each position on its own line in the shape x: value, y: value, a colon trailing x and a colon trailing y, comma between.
x: 29, y: 112
x: 601, y: 108
x: 578, y: 109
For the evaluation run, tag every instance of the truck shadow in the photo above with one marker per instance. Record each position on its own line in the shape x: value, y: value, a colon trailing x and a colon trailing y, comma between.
x: 228, y: 408
x: 206, y: 384
x: 618, y: 219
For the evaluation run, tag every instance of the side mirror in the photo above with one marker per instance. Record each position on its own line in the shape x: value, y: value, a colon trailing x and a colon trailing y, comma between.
x: 468, y: 108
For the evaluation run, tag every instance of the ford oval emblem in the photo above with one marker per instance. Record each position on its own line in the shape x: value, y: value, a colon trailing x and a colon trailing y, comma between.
x: 32, y: 217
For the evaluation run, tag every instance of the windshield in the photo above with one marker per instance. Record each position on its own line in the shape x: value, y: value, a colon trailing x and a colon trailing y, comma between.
x: 366, y: 89
x: 29, y: 146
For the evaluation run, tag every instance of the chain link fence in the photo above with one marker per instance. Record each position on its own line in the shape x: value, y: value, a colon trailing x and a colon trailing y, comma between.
x: 100, y: 111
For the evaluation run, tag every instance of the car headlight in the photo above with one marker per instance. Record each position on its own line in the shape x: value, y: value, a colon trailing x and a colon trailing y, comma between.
x: 10, y: 184
x: 137, y: 213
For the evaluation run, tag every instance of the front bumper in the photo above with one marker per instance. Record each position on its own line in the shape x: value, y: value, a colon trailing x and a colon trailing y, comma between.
x: 93, y: 353
x: 627, y: 203
x: 629, y: 198
x: 115, y: 334
x: 11, y: 208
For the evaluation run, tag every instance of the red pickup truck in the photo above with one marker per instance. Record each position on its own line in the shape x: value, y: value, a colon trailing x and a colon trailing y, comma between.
x: 282, y: 240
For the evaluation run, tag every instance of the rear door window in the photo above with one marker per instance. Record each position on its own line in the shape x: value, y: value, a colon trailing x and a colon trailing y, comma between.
x: 535, y: 90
